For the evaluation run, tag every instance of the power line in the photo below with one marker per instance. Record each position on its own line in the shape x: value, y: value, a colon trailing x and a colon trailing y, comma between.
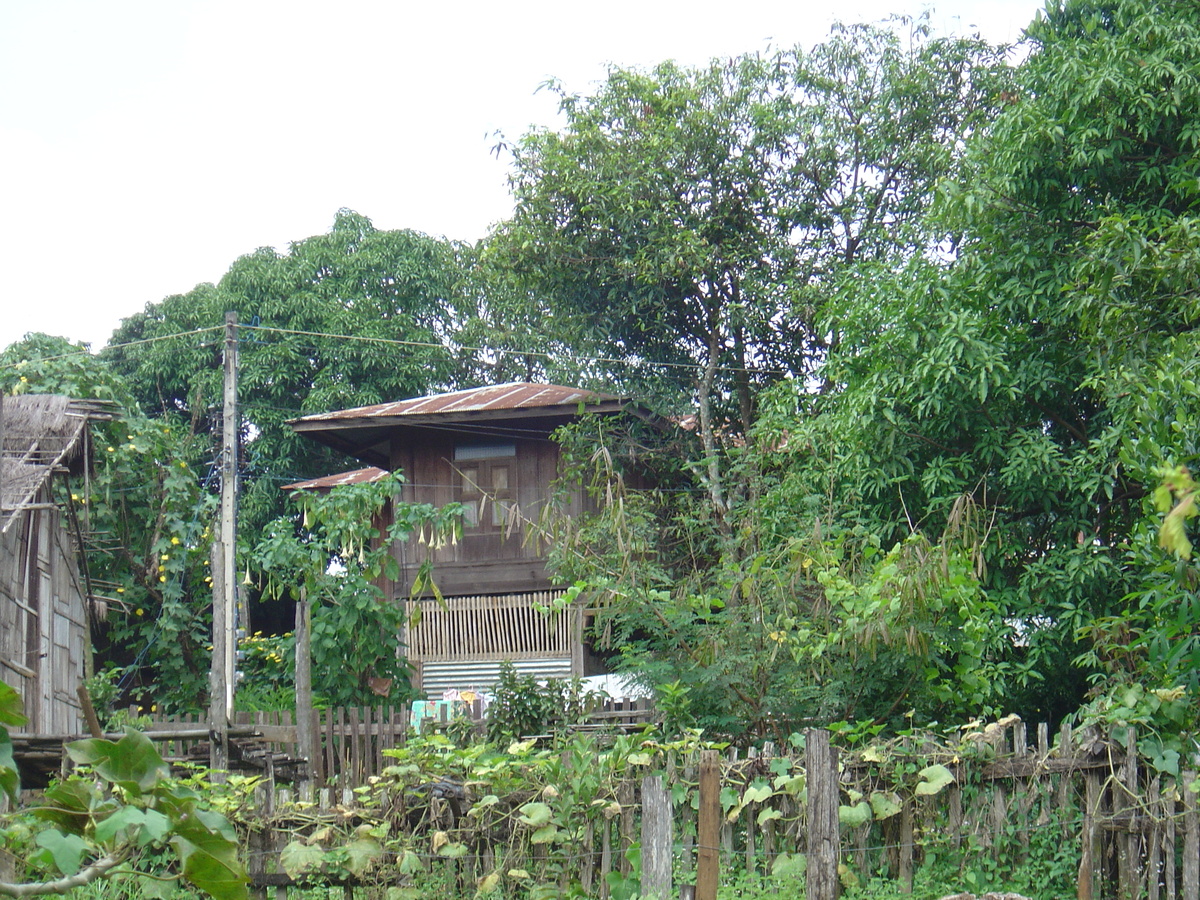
x: 140, y: 341
x: 430, y: 345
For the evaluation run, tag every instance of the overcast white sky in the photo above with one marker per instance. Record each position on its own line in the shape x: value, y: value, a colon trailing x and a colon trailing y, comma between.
x: 146, y: 144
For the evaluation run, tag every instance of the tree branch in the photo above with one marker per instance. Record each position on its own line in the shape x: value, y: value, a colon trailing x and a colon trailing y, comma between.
x: 96, y: 870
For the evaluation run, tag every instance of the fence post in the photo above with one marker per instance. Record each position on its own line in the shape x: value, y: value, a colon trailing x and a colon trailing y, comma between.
x: 823, y: 838
x: 658, y: 841
x: 1191, y: 840
x: 708, y: 857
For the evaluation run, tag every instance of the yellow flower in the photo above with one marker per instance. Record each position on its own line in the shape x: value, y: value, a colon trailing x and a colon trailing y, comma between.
x: 165, y: 557
x: 24, y: 380
x: 120, y: 590
x: 111, y: 450
x: 139, y: 611
x: 175, y: 541
x: 74, y: 496
x: 162, y: 568
x: 162, y: 577
x: 182, y: 464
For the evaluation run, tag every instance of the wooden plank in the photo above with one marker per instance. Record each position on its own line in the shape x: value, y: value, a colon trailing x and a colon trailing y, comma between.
x: 1190, y: 889
x: 1154, y: 860
x: 606, y: 858
x: 625, y: 798
x: 707, y: 851
x: 658, y: 839
x: 1088, y: 883
x: 356, y: 748
x: 906, y: 846
x: 823, y: 838
x: 1168, y: 800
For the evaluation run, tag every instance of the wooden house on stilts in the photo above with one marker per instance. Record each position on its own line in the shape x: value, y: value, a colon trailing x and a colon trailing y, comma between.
x: 489, y: 449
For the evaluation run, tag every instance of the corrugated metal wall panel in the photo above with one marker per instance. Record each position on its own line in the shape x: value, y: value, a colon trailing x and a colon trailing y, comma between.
x: 437, y: 677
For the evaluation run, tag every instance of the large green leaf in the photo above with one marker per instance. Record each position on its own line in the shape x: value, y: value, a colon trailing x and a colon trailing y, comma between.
x: 71, y: 804
x: 126, y: 820
x: 132, y: 763
x: 210, y: 855
x: 534, y: 815
x: 298, y: 857
x: 933, y: 779
x: 362, y: 855
x: 856, y: 815
x: 66, y: 849
x: 12, y: 707
x: 10, y: 782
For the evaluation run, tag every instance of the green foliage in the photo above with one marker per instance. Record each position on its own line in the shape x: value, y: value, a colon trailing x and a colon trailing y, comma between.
x: 336, y: 558
x: 148, y: 497
x: 320, y: 325
x: 121, y: 808
x: 522, y: 706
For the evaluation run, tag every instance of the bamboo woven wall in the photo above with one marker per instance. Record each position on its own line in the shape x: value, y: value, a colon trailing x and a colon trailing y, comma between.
x: 490, y: 628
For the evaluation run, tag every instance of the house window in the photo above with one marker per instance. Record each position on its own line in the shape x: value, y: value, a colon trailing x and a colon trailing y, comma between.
x: 486, y: 485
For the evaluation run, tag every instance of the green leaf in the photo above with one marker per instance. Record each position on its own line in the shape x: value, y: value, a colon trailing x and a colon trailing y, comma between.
x: 10, y: 781
x: 767, y: 815
x: 210, y: 856
x: 544, y: 835
x: 933, y: 779
x: 70, y: 805
x: 488, y: 884
x: 534, y: 815
x: 854, y: 816
x: 298, y: 857
x: 757, y: 793
x: 453, y: 850
x: 12, y: 707
x: 362, y: 854
x: 132, y: 763
x: 884, y: 806
x: 124, y: 819
x: 789, y: 865
x: 66, y: 849
x: 410, y: 863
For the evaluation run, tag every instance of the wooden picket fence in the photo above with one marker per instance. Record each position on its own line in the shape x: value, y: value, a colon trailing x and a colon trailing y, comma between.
x: 351, y: 739
x: 1127, y: 830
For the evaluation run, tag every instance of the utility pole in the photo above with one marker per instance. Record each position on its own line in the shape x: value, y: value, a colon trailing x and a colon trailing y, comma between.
x: 222, y: 678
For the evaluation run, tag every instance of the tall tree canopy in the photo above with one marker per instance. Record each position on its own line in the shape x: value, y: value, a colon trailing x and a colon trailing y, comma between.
x: 349, y: 318
x: 695, y: 220
x: 1046, y: 372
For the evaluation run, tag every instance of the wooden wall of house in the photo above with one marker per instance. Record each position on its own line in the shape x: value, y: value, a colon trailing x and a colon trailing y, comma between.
x: 43, y: 628
x: 503, y: 553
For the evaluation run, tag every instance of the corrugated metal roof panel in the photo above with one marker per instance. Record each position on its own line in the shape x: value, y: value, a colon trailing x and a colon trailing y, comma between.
x: 512, y: 396
x: 437, y: 677
x: 368, y: 475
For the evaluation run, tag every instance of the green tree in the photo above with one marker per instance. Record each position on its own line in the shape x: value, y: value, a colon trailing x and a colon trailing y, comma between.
x: 1045, y: 372
x: 145, y: 507
x: 349, y: 318
x: 694, y: 219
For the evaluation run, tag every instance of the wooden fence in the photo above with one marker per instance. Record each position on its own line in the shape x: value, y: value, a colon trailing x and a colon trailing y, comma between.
x: 1117, y: 826
x: 351, y: 739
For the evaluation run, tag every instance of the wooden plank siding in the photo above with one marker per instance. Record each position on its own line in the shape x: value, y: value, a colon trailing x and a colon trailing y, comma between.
x: 43, y: 632
x: 500, y: 559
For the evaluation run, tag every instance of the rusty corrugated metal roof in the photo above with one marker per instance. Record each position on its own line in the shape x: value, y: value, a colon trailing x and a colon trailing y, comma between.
x: 512, y: 396
x: 359, y: 476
